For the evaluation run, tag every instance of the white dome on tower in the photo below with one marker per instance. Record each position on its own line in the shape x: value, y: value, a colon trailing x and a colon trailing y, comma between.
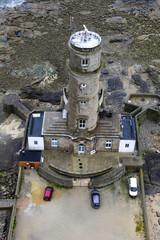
x: 85, y: 39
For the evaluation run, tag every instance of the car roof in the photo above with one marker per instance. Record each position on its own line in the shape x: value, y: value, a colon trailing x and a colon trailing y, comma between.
x: 133, y: 181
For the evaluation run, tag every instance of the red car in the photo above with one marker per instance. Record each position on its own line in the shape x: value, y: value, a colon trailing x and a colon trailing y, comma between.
x: 48, y: 193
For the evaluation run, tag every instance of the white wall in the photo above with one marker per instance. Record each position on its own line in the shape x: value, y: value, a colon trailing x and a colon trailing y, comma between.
x: 123, y: 148
x: 33, y: 146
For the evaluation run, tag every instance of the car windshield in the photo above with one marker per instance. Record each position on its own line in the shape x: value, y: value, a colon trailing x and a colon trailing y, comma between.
x: 96, y: 198
x: 133, y: 189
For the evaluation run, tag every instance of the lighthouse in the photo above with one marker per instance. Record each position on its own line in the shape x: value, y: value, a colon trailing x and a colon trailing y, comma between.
x: 84, y: 66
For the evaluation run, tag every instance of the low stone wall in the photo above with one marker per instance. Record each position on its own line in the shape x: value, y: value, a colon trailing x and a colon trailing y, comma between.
x: 11, y: 104
x: 108, y: 178
x: 145, y: 216
x: 144, y: 95
x: 56, y: 178
x: 13, y: 214
x: 76, y: 175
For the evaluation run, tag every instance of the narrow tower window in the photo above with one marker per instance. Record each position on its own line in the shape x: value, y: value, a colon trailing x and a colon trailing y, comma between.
x: 84, y: 62
x: 83, y: 85
x: 82, y: 124
x: 83, y: 103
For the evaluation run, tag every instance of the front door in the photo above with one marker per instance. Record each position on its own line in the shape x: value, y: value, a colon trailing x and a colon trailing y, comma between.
x: 81, y: 149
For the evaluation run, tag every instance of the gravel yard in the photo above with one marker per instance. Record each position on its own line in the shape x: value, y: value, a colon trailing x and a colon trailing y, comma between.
x: 69, y: 215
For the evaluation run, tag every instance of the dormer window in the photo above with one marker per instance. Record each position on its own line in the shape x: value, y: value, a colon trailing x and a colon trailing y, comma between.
x: 84, y: 62
x: 82, y: 124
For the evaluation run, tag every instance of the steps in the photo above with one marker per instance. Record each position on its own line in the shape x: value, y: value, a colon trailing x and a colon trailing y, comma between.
x: 107, y: 178
x: 55, y: 178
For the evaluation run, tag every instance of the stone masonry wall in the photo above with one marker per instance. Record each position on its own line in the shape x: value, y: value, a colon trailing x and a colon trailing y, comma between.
x: 88, y: 94
x: 100, y: 145
x: 93, y: 57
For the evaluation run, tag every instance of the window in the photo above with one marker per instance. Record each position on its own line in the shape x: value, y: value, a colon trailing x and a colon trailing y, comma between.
x: 83, y: 85
x: 54, y: 143
x: 82, y: 124
x: 126, y: 145
x: 35, y: 142
x: 83, y: 103
x: 84, y: 62
x: 108, y: 144
x: 81, y: 148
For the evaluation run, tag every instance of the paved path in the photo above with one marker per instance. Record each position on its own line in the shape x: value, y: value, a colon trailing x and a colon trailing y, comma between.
x: 69, y: 215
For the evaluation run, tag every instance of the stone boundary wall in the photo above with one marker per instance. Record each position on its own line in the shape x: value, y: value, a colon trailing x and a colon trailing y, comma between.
x: 12, y: 104
x: 144, y: 95
x: 145, y: 216
x: 145, y: 114
x: 76, y: 175
x: 107, y: 179
x: 56, y: 178
x: 13, y: 213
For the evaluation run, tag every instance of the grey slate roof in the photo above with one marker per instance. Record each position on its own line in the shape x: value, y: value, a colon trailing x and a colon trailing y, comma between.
x: 35, y: 125
x: 29, y: 156
x: 128, y: 128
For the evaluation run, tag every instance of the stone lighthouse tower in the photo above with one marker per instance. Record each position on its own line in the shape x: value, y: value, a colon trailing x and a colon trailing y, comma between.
x: 84, y: 65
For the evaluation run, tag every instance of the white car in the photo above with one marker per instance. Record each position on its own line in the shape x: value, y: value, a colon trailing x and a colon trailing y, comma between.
x: 133, y: 188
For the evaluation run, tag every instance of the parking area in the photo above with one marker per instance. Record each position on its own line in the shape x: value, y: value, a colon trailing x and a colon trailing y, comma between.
x: 70, y: 215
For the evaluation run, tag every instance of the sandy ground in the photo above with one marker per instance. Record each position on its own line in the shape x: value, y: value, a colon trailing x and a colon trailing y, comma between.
x: 12, y: 126
x: 153, y: 206
x: 11, y: 137
x: 70, y: 216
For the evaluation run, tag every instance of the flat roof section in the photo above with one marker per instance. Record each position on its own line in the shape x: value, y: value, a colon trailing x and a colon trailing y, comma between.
x: 29, y: 156
x: 128, y: 128
x: 35, y: 124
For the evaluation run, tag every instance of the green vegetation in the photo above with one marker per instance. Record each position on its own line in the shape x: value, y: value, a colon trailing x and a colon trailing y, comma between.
x: 112, y: 187
x: 20, y: 185
x: 139, y: 125
x: 124, y: 188
x: 14, y: 226
x: 3, y: 174
x: 139, y: 129
x: 61, y: 187
x: 139, y: 223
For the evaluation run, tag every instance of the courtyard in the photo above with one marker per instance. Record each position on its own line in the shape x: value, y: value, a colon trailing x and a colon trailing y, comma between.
x: 69, y: 215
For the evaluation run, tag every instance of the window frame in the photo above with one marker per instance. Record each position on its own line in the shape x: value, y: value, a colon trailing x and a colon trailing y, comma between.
x: 83, y: 86
x: 81, y: 148
x: 109, y: 143
x: 84, y: 62
x: 54, y: 142
x: 82, y: 124
x: 83, y: 103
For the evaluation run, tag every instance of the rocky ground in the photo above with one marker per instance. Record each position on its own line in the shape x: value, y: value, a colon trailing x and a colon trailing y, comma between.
x: 4, y: 221
x: 33, y: 53
x: 34, y: 42
x: 150, y: 143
